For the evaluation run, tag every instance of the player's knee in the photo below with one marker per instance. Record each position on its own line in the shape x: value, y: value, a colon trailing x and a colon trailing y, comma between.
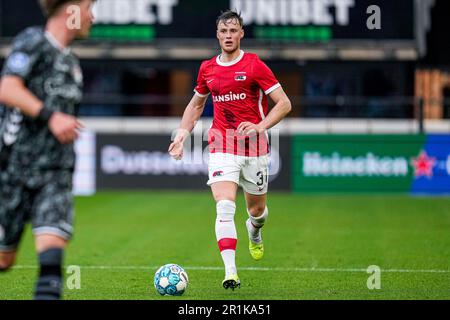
x: 224, y: 191
x: 46, y: 242
x: 256, y: 210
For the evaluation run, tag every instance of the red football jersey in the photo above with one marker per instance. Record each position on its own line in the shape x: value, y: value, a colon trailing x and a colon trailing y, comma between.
x: 239, y: 90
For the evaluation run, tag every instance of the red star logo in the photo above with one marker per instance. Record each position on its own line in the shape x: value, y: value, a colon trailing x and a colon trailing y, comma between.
x: 423, y: 165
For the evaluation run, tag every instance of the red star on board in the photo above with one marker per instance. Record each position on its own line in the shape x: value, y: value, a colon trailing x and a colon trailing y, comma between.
x: 423, y: 165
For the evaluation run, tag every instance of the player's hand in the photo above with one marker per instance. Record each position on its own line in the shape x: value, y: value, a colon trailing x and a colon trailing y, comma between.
x: 248, y: 128
x: 176, y: 150
x: 64, y: 127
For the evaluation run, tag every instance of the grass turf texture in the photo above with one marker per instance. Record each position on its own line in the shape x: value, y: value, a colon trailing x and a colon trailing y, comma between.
x: 317, y: 247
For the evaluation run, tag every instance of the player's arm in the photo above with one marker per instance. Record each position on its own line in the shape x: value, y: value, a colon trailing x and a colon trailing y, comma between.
x: 279, y: 111
x: 13, y: 92
x: 191, y: 115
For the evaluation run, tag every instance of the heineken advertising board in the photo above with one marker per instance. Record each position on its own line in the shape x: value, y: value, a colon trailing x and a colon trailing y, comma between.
x: 275, y: 20
x: 371, y: 163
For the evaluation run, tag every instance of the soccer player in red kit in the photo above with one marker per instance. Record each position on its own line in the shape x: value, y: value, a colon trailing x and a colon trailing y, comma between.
x: 239, y: 152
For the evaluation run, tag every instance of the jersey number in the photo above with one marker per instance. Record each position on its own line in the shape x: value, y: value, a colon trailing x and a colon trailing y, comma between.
x: 261, y: 176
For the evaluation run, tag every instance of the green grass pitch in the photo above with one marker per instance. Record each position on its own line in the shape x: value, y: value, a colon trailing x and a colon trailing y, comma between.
x: 317, y: 247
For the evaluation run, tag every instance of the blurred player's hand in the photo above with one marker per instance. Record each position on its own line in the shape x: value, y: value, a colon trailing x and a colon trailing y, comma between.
x: 176, y: 149
x: 64, y: 127
x: 248, y: 128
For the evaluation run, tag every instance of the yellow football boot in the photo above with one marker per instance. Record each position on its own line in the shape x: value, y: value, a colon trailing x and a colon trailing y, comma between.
x: 232, y: 281
x: 256, y: 250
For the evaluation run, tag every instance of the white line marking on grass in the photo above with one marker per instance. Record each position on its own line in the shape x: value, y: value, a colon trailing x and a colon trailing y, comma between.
x: 252, y: 269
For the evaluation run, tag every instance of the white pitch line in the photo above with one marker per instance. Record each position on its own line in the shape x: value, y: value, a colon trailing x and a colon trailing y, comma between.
x: 252, y: 269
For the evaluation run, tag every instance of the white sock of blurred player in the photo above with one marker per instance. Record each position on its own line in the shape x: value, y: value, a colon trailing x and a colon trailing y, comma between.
x: 226, y: 234
x: 254, y: 225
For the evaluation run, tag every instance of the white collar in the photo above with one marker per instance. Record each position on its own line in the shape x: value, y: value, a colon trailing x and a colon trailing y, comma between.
x: 230, y: 63
x: 54, y: 42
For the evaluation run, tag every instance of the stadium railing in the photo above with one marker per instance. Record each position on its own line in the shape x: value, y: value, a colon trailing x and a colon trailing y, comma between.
x: 332, y: 114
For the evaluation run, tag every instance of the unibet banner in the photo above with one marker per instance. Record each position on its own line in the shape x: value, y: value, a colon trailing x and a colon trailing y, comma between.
x: 289, y: 21
x: 280, y: 20
x: 371, y: 163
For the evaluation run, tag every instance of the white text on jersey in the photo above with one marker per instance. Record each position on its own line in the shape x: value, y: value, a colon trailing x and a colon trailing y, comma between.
x: 230, y: 97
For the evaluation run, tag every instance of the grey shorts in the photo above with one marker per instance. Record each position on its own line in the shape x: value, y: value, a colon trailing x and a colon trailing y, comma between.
x: 48, y: 208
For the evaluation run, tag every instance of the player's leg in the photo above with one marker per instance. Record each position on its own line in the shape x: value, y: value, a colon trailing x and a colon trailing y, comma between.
x: 258, y: 212
x: 224, y: 173
x: 45, y: 242
x: 50, y: 249
x: 225, y: 195
x: 13, y: 204
x: 7, y: 260
x: 52, y: 221
x: 254, y: 181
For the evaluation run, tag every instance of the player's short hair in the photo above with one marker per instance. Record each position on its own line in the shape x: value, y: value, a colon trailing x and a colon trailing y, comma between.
x: 230, y: 15
x: 50, y: 7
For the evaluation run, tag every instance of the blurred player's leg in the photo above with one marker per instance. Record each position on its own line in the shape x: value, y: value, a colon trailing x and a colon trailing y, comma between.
x: 52, y: 221
x: 14, y: 203
x: 7, y: 260
x: 258, y: 212
x: 50, y: 250
x: 224, y: 193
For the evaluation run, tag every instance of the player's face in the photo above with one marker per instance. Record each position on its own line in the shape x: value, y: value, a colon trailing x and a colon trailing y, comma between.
x: 230, y: 34
x: 86, y: 18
